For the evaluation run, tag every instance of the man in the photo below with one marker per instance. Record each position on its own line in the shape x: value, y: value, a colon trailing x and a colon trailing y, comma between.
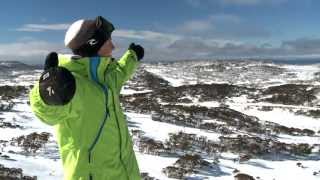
x: 79, y: 96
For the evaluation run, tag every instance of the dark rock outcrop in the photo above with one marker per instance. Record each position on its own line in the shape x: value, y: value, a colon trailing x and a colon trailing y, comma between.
x: 32, y: 142
x: 13, y: 174
x: 10, y: 92
x: 290, y: 94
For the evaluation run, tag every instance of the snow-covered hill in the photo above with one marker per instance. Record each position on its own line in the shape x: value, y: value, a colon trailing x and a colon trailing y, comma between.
x: 191, y: 120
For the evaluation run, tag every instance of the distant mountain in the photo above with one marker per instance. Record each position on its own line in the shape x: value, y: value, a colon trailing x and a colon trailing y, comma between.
x: 16, y: 65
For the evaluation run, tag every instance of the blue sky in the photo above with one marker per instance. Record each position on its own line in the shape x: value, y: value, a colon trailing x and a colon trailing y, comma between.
x: 181, y: 29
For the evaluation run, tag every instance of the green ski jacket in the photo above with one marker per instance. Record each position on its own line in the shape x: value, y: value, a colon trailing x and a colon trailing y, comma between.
x: 91, y: 130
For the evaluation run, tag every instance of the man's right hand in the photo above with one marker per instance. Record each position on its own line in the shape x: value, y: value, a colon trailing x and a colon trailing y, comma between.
x: 57, y: 84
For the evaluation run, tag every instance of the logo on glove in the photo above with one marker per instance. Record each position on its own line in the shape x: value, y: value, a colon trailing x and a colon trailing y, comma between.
x: 50, y: 91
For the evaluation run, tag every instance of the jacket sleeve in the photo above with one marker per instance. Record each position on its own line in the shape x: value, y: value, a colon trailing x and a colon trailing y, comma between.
x: 48, y: 114
x: 123, y: 69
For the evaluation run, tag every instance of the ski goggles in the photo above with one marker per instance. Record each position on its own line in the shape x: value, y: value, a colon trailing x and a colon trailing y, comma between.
x: 104, y: 26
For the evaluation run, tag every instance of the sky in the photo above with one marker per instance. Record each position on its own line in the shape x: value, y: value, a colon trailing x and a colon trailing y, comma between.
x: 168, y: 30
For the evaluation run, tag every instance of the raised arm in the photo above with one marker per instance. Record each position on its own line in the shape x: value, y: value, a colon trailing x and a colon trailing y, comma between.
x: 50, y: 96
x: 122, y: 70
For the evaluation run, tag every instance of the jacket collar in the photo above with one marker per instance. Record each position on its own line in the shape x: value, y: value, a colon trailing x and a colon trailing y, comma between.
x: 88, y: 67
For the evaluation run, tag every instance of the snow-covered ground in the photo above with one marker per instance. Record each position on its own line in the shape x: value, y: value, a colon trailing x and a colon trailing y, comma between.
x: 244, y: 73
x: 265, y: 169
x: 46, y: 164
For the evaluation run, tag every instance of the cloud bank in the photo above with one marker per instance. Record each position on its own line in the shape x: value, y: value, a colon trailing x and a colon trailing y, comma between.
x: 210, y: 38
x: 42, y: 27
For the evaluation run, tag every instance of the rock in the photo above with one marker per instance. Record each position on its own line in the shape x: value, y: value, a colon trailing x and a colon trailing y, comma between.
x: 290, y: 94
x: 235, y: 171
x: 13, y: 174
x: 32, y: 142
x: 150, y: 146
x: 174, y: 172
x: 243, y: 176
x: 11, y: 92
x: 145, y: 176
x: 9, y: 125
x: 146, y: 80
x: 6, y: 105
x: 191, y: 162
x: 310, y: 113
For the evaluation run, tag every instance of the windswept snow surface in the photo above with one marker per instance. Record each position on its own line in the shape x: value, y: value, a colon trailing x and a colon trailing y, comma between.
x: 46, y: 164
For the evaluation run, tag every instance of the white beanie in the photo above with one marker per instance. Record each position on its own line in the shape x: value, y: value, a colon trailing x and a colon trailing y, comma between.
x: 79, y: 33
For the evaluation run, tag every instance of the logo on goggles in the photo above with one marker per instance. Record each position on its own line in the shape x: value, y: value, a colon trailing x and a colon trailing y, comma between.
x: 92, y: 42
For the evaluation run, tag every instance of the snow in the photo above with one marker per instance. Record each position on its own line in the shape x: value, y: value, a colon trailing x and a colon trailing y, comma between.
x: 197, y: 103
x: 265, y: 169
x: 172, y: 80
x: 43, y: 168
x: 298, y: 139
x: 281, y: 116
x: 304, y: 73
x: 160, y: 130
x: 130, y: 91
x: 242, y: 73
x: 158, y: 163
x: 269, y: 170
x: 47, y: 164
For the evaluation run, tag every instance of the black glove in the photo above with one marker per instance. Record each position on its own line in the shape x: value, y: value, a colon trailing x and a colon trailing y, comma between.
x: 51, y: 61
x: 57, y: 84
x: 138, y: 50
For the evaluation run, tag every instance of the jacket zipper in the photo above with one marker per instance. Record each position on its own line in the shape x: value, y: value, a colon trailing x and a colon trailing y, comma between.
x: 98, y: 135
x: 120, y: 136
x: 93, y: 71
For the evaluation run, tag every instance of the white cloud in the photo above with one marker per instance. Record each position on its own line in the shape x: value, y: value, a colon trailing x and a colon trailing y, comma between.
x: 210, y: 25
x: 199, y: 3
x: 43, y: 27
x: 252, y: 2
x: 303, y: 45
x: 226, y: 26
x: 32, y: 51
x: 226, y: 18
x: 197, y: 26
x: 194, y: 3
x: 162, y: 46
x: 242, y: 2
x: 150, y: 36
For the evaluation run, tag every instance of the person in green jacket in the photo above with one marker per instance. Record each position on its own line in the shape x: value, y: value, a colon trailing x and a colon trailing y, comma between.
x: 79, y: 96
